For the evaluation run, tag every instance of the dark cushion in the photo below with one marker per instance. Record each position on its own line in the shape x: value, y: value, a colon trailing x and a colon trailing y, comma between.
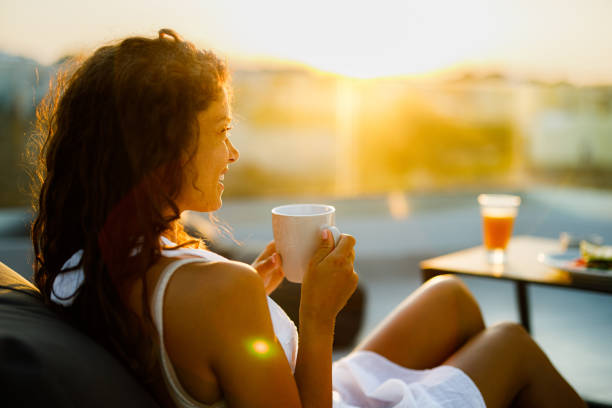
x: 44, y: 362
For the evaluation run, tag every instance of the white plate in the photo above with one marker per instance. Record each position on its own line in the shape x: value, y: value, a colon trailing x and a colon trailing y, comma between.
x: 566, y: 262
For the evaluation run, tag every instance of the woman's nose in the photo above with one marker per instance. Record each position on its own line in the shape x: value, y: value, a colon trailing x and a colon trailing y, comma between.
x: 234, y: 153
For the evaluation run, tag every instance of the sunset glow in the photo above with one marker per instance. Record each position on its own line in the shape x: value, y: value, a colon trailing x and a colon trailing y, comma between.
x: 546, y: 39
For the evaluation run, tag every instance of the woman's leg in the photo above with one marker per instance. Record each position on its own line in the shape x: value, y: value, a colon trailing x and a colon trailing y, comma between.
x: 440, y: 323
x: 510, y: 369
x: 429, y: 326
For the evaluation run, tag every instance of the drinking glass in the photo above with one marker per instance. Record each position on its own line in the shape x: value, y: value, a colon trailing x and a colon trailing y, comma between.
x: 498, y: 213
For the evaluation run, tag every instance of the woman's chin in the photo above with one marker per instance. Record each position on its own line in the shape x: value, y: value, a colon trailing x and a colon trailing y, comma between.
x: 203, y: 203
x: 214, y: 206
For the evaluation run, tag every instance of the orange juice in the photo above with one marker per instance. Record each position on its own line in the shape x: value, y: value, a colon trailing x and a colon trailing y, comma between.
x: 497, y: 230
x: 498, y: 213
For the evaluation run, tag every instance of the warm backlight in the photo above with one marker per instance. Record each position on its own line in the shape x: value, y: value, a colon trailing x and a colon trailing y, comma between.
x: 497, y: 231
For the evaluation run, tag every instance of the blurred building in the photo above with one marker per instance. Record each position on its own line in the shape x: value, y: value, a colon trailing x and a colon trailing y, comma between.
x: 305, y: 132
x: 23, y: 83
x: 572, y: 129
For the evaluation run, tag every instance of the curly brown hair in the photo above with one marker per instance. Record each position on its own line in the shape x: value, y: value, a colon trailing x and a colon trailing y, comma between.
x: 116, y: 137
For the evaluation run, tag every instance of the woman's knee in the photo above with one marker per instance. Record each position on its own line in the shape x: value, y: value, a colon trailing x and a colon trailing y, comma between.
x: 516, y: 339
x: 461, y: 302
x: 454, y: 288
x: 448, y: 285
x: 512, y: 332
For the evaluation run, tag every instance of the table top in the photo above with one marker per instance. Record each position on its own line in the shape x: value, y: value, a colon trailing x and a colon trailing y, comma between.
x: 522, y: 265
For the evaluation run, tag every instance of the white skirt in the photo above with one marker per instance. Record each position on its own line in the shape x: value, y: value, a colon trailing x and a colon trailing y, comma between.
x: 365, y: 379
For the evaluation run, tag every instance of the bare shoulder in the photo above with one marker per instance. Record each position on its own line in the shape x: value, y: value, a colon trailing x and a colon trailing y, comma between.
x: 208, y: 301
x: 213, y: 282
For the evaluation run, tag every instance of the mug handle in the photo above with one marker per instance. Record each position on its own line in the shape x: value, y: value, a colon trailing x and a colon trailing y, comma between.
x: 335, y: 232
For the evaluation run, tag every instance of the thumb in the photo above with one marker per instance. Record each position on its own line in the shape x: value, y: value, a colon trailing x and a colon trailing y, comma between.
x: 325, y: 247
x: 268, y: 263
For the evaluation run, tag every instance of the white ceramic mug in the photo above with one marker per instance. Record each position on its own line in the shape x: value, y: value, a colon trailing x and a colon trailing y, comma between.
x: 297, y: 233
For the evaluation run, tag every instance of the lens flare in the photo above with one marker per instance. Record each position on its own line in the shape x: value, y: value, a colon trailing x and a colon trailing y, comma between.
x: 261, y: 347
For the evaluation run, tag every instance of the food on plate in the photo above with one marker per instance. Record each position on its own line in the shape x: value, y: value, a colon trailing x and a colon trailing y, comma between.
x: 596, y: 256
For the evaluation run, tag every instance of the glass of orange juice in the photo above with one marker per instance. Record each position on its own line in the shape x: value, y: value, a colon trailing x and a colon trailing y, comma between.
x: 498, y: 213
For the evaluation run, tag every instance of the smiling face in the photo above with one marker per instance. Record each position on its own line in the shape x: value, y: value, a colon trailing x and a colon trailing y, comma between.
x: 203, y: 186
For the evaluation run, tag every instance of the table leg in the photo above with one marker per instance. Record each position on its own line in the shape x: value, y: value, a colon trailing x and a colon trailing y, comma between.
x: 523, y: 305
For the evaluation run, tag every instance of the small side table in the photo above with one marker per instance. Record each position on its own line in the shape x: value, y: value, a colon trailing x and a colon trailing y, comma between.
x: 522, y: 268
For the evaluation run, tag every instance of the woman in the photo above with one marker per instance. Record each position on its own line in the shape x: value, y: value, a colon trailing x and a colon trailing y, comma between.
x: 140, y: 134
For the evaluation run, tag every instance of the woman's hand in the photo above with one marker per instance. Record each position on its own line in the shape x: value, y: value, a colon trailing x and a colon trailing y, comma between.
x: 330, y: 279
x: 268, y: 265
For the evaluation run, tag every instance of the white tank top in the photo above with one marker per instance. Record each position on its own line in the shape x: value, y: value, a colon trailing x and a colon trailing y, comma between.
x: 284, y: 328
x: 361, y: 379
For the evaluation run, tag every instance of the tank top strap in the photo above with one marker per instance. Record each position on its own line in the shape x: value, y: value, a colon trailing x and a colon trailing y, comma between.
x: 180, y: 397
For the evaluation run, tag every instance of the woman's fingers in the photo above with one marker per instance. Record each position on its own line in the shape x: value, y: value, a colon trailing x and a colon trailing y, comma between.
x: 271, y: 272
x: 275, y: 276
x: 268, y: 250
x: 346, y: 243
x: 345, y: 249
x: 266, y: 253
x: 325, y: 247
x: 268, y: 263
x: 264, y: 257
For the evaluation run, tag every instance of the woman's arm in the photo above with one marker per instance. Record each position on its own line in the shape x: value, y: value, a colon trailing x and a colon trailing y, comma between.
x: 313, y: 373
x: 219, y: 326
x: 326, y: 288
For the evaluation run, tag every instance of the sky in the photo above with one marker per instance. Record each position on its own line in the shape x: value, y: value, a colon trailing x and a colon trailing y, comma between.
x: 543, y: 39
